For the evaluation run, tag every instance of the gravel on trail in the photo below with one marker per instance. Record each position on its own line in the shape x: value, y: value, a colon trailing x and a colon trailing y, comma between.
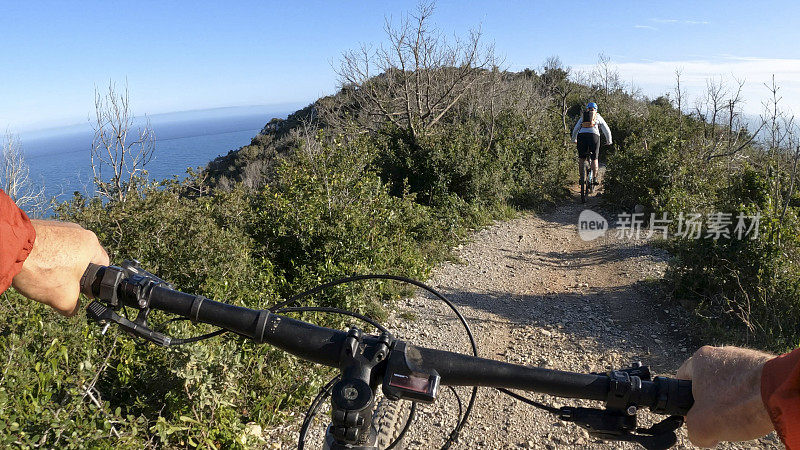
x: 536, y: 294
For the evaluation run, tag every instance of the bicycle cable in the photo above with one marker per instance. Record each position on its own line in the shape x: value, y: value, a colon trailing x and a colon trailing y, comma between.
x: 523, y: 399
x: 458, y: 399
x: 313, y: 409
x: 335, y: 311
x: 283, y: 308
x: 462, y: 420
x: 181, y: 341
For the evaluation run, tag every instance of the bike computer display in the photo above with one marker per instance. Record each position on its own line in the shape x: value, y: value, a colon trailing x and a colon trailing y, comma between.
x: 416, y: 386
x: 402, y: 381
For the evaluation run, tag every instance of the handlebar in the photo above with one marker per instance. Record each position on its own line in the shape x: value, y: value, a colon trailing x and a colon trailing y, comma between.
x: 620, y: 390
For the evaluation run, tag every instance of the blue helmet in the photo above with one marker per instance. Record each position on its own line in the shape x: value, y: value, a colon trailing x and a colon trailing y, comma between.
x: 591, y: 105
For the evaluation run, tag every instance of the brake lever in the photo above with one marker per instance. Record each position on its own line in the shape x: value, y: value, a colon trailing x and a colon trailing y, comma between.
x: 618, y: 426
x: 660, y: 436
x: 103, y: 314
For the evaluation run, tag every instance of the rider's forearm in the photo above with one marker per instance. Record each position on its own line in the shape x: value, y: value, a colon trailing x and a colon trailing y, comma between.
x: 606, y: 132
x: 726, y: 384
x: 51, y: 273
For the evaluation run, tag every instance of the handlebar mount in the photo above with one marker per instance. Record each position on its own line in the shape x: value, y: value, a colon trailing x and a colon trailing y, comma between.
x: 403, y: 371
x: 130, y: 282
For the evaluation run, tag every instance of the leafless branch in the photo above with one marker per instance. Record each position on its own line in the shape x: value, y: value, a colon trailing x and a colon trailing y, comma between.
x: 15, y: 178
x: 121, y: 145
x: 416, y: 78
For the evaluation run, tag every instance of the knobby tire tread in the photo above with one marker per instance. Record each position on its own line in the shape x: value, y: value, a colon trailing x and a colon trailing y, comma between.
x: 388, y: 419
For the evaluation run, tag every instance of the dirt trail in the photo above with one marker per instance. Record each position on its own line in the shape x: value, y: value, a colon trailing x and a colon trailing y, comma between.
x: 536, y: 294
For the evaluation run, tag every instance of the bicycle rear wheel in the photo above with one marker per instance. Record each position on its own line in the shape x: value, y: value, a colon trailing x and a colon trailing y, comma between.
x: 584, y: 180
x: 583, y: 192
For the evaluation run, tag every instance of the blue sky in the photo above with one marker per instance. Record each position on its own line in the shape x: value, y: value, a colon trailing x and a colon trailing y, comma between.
x: 193, y: 55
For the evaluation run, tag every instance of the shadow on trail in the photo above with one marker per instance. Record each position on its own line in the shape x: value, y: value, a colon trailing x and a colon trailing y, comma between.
x: 583, y: 257
x: 567, y: 213
x: 626, y: 319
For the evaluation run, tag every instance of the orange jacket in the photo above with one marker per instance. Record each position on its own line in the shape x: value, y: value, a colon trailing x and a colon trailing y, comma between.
x: 16, y: 240
x: 780, y: 391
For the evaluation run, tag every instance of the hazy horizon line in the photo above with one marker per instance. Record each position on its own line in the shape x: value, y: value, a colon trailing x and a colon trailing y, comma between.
x: 38, y: 129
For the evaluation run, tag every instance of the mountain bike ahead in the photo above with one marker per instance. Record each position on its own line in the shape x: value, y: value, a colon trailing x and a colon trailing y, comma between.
x: 404, y: 372
x: 589, y: 132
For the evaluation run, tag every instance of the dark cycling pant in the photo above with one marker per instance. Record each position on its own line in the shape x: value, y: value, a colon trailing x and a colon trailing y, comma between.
x: 588, y: 145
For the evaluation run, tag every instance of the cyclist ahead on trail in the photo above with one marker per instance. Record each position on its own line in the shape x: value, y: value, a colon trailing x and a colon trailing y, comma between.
x: 587, y: 134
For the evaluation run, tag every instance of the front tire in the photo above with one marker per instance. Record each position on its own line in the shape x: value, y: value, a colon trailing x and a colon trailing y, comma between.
x: 388, y: 420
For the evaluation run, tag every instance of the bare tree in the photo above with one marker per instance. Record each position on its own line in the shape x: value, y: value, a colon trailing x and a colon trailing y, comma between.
x: 774, y: 116
x: 556, y: 81
x: 794, y: 148
x: 415, y: 79
x: 715, y: 99
x: 679, y: 96
x: 606, y: 77
x: 780, y: 136
x: 719, y: 109
x: 782, y: 154
x: 254, y: 174
x: 15, y: 178
x: 733, y: 113
x: 120, y: 145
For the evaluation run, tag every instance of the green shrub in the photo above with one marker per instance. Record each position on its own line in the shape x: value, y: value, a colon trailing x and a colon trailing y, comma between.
x: 752, y: 284
x: 525, y: 164
x: 657, y: 169
x: 327, y: 216
x: 742, y: 290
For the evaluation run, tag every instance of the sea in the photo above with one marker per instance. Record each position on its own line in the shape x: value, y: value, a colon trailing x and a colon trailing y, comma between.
x: 59, y: 158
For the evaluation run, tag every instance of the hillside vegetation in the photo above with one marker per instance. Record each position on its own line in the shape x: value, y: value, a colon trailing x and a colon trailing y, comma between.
x: 744, y: 286
x: 383, y: 177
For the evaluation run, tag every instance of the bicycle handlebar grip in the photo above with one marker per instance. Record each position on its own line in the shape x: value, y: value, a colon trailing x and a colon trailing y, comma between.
x: 674, y: 396
x: 88, y: 278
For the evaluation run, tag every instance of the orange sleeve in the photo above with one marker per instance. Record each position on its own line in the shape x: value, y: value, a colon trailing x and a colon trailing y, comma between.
x: 16, y: 240
x: 780, y: 391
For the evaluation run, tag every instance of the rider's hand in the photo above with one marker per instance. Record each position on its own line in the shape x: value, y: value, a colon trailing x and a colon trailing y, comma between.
x: 726, y: 385
x: 52, y: 272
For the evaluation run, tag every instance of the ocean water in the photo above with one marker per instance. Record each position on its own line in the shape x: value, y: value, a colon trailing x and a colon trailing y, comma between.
x: 59, y: 159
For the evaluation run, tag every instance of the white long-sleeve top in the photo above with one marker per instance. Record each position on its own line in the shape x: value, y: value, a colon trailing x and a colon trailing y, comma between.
x: 599, y: 125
